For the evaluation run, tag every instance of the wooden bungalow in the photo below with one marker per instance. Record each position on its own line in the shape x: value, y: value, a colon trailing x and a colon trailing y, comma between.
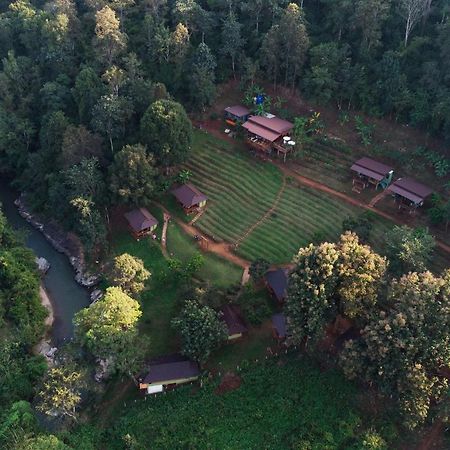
x: 230, y: 314
x: 409, y: 194
x: 237, y: 114
x: 266, y: 133
x: 279, y: 330
x: 141, y: 222
x: 190, y: 198
x: 277, y: 283
x: 370, y: 172
x: 168, y: 372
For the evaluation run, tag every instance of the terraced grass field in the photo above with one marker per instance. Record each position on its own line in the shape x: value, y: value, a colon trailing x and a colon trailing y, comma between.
x: 243, y: 189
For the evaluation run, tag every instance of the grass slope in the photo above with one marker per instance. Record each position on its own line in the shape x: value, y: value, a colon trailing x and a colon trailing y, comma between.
x: 242, y: 189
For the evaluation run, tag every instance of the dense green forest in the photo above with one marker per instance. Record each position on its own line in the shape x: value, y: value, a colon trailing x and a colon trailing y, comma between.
x: 86, y: 87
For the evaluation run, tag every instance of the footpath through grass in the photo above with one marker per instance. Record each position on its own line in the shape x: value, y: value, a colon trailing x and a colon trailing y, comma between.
x: 281, y: 404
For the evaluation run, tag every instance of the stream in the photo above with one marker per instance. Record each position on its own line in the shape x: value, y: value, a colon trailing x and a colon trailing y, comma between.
x: 66, y: 295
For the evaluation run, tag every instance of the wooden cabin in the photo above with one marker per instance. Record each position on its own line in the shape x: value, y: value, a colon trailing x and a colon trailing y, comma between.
x: 277, y: 283
x: 409, y: 194
x: 141, y: 222
x: 266, y: 133
x: 190, y: 198
x: 279, y: 327
x: 231, y: 315
x: 168, y: 372
x: 237, y: 114
x: 370, y: 172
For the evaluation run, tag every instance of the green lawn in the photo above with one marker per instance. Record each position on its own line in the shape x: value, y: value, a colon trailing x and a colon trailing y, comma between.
x: 241, y: 189
x: 215, y: 270
x: 161, y: 300
x: 287, y: 403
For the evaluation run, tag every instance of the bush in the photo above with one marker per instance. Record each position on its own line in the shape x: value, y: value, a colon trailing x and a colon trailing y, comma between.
x: 254, y: 305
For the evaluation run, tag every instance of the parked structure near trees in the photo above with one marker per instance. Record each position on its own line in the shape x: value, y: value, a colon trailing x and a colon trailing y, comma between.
x: 141, y: 222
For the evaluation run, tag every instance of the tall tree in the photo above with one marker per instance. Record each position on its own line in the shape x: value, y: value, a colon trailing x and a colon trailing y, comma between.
x: 413, y: 11
x: 285, y: 45
x: 60, y: 394
x: 202, y: 77
x: 409, y: 249
x: 109, y: 327
x: 109, y: 41
x: 129, y: 274
x: 167, y: 131
x: 232, y: 40
x: 201, y: 330
x: 403, y: 347
x: 132, y: 176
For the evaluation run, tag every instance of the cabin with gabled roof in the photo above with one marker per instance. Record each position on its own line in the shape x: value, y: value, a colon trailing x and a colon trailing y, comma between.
x: 231, y: 316
x: 237, y: 114
x: 409, y: 193
x: 190, y: 198
x: 277, y: 283
x: 141, y: 222
x: 370, y: 172
x: 167, y: 372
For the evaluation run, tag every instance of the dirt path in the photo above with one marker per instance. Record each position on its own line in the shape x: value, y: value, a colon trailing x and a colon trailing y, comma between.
x: 346, y: 198
x: 265, y: 216
x: 377, y: 198
x: 164, y: 234
x: 432, y: 440
x: 220, y: 249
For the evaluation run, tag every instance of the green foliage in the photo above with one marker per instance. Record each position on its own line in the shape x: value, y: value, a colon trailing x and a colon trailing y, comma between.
x: 167, y: 131
x: 320, y: 410
x: 403, y: 346
x: 108, y: 328
x: 200, y: 329
x: 409, y: 249
x: 132, y: 176
x: 129, y: 273
x: 258, y: 269
x: 365, y: 130
x: 60, y: 393
x: 254, y: 305
x: 332, y: 279
x: 361, y: 225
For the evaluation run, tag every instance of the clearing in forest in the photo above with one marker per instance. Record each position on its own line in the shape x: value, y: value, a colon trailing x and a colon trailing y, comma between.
x: 243, y: 189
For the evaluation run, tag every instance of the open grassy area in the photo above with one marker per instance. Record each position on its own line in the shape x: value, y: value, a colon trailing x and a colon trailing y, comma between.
x: 241, y: 189
x: 216, y: 270
x: 281, y: 404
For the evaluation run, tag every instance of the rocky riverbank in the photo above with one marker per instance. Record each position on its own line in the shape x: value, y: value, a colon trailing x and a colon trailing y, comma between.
x: 63, y: 242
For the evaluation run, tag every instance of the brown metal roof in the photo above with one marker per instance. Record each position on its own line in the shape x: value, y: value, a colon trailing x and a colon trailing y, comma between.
x: 279, y: 323
x: 233, y: 320
x: 188, y: 195
x: 274, y: 124
x: 261, y: 131
x: 238, y: 110
x: 278, y: 282
x: 410, y: 189
x: 140, y: 219
x: 371, y: 168
x: 174, y: 369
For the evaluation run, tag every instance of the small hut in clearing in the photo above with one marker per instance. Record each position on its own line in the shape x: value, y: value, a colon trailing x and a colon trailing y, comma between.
x: 233, y: 320
x: 369, y: 171
x: 409, y: 193
x: 141, y: 222
x: 279, y: 327
x: 168, y: 372
x: 190, y: 198
x: 236, y: 114
x: 277, y: 283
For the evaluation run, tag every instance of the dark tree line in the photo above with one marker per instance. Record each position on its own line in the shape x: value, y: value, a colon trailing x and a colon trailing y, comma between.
x: 89, y: 89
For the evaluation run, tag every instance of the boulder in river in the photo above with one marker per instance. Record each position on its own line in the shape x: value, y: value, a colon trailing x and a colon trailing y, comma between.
x: 42, y: 264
